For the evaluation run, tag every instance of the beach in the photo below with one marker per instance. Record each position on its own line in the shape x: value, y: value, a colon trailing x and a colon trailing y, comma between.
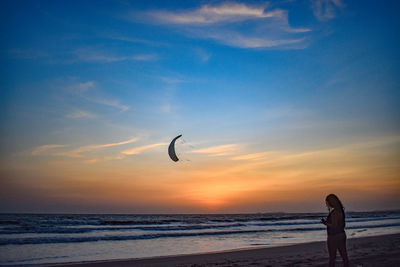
x: 274, y: 239
x: 381, y: 250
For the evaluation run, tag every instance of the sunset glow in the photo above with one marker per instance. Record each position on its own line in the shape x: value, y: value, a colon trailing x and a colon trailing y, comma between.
x: 279, y: 103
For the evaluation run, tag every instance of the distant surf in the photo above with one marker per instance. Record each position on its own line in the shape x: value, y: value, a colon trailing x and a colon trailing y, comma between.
x: 48, y: 238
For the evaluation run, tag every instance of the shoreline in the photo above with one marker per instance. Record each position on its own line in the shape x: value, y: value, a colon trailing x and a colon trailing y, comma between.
x: 382, y: 250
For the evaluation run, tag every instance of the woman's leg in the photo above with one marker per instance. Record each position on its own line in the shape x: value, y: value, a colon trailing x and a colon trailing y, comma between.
x: 343, y: 251
x: 332, y: 247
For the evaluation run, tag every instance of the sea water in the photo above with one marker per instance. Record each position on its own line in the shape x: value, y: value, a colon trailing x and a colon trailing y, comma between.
x: 62, y: 238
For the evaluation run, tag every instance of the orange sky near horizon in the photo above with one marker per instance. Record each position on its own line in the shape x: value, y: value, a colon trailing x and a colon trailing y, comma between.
x: 217, y: 179
x: 279, y: 103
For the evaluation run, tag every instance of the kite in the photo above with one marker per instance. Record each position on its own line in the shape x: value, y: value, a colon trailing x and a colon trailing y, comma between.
x: 171, y: 149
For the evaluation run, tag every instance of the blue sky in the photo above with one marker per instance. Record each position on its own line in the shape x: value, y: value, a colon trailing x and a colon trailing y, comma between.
x: 264, y: 76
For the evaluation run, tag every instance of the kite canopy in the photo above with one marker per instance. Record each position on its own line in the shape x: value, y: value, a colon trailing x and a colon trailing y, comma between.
x: 171, y: 149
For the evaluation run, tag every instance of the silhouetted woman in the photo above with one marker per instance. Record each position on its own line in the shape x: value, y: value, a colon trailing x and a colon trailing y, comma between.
x: 335, y: 223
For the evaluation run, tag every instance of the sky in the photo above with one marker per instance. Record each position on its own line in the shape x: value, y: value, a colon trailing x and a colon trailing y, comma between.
x: 279, y: 103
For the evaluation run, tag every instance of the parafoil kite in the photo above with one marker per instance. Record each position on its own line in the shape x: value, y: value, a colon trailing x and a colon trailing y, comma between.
x: 171, y: 149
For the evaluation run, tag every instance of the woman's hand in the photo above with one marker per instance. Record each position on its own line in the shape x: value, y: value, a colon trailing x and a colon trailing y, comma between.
x: 323, y: 221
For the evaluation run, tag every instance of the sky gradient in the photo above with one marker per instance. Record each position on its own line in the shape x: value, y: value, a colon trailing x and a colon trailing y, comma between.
x: 279, y: 103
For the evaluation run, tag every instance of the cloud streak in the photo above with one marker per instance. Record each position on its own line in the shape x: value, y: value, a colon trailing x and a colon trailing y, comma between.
x: 366, y: 160
x: 91, y: 55
x: 208, y: 14
x: 108, y: 102
x: 80, y: 114
x: 54, y: 149
x: 223, y: 23
x: 138, y: 150
x: 86, y: 90
x: 243, y: 41
x: 222, y: 150
x: 326, y: 9
x: 40, y: 150
x: 252, y: 156
x: 77, y: 153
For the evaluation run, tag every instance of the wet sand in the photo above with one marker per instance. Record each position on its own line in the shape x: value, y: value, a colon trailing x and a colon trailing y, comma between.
x: 366, y: 251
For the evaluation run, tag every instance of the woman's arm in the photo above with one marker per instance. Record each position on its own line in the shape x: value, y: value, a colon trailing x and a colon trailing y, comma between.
x: 337, y: 217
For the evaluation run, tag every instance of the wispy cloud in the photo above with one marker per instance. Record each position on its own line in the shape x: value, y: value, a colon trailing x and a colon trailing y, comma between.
x: 222, y: 150
x: 208, y: 14
x: 82, y: 54
x: 103, y: 159
x: 87, y: 91
x: 108, y: 102
x: 46, y: 148
x: 326, y: 9
x: 92, y: 55
x: 131, y: 39
x: 77, y: 153
x: 244, y: 41
x: 80, y: 114
x: 81, y: 87
x: 202, y: 54
x: 265, y: 27
x: 138, y: 150
x: 369, y: 158
x: 252, y: 156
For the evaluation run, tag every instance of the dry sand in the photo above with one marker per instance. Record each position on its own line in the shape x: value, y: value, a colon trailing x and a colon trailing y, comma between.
x: 366, y: 251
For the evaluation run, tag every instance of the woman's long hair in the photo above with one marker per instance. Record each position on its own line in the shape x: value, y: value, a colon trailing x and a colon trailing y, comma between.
x: 334, y: 202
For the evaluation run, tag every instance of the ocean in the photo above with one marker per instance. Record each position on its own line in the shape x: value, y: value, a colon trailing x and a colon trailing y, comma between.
x: 62, y: 238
